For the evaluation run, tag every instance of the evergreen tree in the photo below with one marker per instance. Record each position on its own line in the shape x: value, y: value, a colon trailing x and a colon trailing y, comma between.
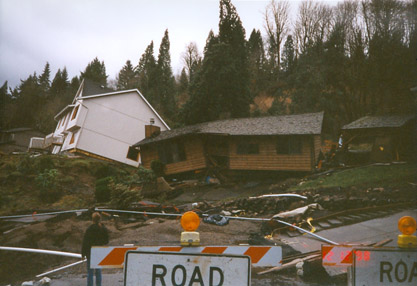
x: 126, y: 78
x: 221, y: 88
x: 4, y: 101
x: 28, y: 103
x: 44, y: 80
x: 203, y: 104
x: 166, y: 83
x: 233, y: 76
x: 95, y: 71
x: 64, y: 77
x: 288, y: 56
x: 256, y: 54
x: 146, y: 74
x: 59, y: 83
x: 183, y: 85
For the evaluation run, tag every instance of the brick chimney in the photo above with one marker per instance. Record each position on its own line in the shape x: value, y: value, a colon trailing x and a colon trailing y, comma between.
x: 151, y: 130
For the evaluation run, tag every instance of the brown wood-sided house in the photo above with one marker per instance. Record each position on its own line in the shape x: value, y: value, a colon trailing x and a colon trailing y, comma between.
x: 380, y: 139
x: 273, y: 143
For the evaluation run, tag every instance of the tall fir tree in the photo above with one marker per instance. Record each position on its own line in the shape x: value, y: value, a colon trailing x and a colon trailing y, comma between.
x: 288, y: 56
x: 183, y: 84
x: 44, y: 80
x: 233, y: 76
x: 146, y: 74
x: 221, y: 88
x: 256, y: 62
x: 95, y: 71
x: 28, y: 102
x: 126, y: 78
x: 59, y: 84
x: 166, y: 83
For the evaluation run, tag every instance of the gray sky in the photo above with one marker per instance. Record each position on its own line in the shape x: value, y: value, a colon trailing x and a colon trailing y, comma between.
x: 72, y: 33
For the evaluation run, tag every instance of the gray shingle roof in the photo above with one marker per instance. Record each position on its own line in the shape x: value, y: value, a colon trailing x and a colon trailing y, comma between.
x: 379, y: 122
x: 301, y: 124
x: 93, y: 88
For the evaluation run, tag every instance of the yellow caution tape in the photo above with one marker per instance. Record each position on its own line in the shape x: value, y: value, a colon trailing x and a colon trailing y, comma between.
x: 313, y: 229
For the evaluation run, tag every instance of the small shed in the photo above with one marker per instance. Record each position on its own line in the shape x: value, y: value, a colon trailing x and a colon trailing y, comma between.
x: 380, y: 139
x: 272, y: 143
x: 17, y: 139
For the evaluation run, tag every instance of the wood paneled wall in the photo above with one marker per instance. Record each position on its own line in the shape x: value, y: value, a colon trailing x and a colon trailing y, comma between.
x: 194, y: 154
x: 268, y: 159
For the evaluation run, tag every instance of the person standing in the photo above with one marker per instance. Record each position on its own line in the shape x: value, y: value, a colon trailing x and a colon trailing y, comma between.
x: 95, y: 235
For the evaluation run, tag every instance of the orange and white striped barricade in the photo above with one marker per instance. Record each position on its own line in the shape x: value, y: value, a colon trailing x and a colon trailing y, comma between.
x: 337, y: 255
x: 114, y: 256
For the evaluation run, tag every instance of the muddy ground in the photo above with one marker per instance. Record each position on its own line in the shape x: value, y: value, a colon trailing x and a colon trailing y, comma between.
x: 65, y: 232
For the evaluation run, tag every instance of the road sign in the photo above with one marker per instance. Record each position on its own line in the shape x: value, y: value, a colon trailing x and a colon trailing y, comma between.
x: 113, y: 256
x: 373, y: 266
x: 336, y: 255
x: 168, y: 268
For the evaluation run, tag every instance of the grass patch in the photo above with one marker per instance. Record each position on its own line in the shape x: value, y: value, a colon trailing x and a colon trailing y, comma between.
x: 368, y: 176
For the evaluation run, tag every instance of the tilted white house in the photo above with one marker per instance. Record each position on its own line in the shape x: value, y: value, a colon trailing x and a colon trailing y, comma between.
x: 104, y: 124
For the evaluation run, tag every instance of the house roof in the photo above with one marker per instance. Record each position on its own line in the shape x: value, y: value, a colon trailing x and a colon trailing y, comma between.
x: 386, y: 121
x: 92, y: 88
x: 301, y: 124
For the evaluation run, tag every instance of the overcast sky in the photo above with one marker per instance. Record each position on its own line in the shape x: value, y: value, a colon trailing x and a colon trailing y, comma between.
x: 72, y: 33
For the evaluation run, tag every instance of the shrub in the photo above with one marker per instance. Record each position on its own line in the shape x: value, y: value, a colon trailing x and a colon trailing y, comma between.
x: 10, y: 167
x: 26, y: 165
x: 70, y: 201
x: 146, y: 175
x: 105, y: 170
x: 47, y: 183
x: 45, y: 162
x: 66, y: 180
x: 103, y: 192
x: 13, y: 176
x: 79, y: 165
x: 157, y: 167
x: 122, y: 196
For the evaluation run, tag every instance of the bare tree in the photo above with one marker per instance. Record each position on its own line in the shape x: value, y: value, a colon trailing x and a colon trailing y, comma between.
x: 313, y: 23
x: 346, y: 16
x: 277, y: 24
x: 384, y: 18
x: 191, y: 58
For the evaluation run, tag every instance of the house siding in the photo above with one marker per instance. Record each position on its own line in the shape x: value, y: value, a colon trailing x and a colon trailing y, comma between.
x: 317, y: 147
x: 268, y: 159
x: 107, y: 126
x: 194, y: 154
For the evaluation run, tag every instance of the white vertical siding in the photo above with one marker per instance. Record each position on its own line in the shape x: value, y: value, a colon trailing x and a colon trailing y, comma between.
x: 113, y: 123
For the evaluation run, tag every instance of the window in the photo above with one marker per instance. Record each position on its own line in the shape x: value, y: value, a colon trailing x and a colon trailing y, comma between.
x: 289, y: 145
x: 171, y: 152
x: 133, y: 154
x: 72, y: 139
x: 74, y: 114
x: 247, y: 148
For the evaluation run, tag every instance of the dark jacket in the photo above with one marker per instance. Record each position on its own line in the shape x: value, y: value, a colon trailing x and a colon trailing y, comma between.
x: 95, y: 235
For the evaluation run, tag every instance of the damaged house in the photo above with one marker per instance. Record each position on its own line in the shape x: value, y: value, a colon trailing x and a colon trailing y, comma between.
x: 380, y: 139
x: 103, y: 124
x: 273, y: 143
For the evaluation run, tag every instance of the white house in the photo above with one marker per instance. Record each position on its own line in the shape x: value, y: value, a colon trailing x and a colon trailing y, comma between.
x: 104, y: 124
